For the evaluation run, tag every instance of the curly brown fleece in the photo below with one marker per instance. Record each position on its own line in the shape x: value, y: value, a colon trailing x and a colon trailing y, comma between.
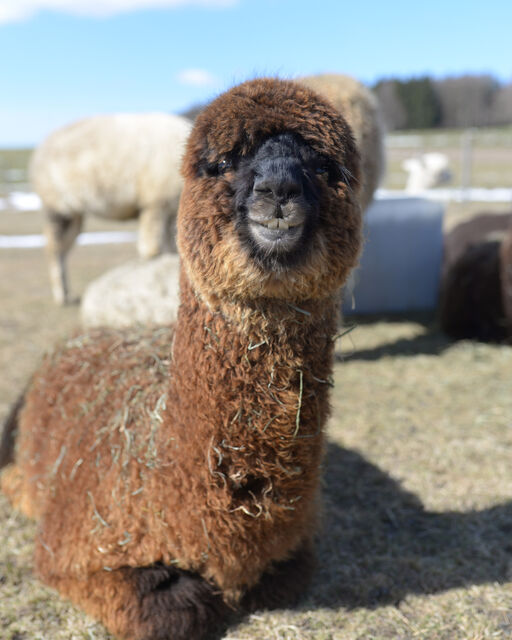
x: 196, y: 452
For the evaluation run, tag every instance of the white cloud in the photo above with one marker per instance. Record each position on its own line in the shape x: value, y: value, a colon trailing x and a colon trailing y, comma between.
x: 197, y: 78
x: 15, y: 10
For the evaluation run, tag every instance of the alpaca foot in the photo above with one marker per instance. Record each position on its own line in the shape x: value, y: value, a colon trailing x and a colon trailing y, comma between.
x: 157, y: 602
x: 284, y: 583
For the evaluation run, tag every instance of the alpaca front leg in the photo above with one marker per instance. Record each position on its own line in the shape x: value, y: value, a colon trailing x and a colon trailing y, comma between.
x: 8, y: 435
x: 148, y: 603
x: 60, y: 233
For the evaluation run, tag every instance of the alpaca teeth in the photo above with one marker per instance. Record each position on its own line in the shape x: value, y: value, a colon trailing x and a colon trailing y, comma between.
x: 277, y: 223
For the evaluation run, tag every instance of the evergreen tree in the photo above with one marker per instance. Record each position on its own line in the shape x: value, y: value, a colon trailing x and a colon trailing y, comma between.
x: 421, y: 103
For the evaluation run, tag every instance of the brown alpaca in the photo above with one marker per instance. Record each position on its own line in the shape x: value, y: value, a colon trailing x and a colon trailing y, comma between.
x: 473, y: 299
x: 175, y: 473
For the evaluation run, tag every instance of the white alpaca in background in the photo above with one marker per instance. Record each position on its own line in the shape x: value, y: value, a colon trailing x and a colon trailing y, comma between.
x: 119, y: 167
x: 426, y: 171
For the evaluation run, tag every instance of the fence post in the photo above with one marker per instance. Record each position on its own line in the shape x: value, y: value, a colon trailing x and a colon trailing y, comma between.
x: 466, y: 162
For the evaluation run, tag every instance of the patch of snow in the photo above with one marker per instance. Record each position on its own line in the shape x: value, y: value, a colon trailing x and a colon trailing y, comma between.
x: 21, y: 201
x: 473, y: 194
x: 35, y: 241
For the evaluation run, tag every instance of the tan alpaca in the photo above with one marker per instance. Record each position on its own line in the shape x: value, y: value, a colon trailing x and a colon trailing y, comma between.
x: 360, y: 108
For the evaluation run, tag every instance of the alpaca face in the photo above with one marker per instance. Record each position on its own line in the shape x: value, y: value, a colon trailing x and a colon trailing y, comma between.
x: 277, y: 198
x: 270, y: 203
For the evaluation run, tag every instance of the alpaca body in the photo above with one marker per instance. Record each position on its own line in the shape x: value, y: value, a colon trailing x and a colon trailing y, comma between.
x: 473, y: 299
x: 111, y: 166
x: 258, y: 464
x: 175, y: 472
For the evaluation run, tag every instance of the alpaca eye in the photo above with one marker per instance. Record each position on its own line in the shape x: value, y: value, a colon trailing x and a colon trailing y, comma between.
x: 322, y: 170
x: 224, y: 165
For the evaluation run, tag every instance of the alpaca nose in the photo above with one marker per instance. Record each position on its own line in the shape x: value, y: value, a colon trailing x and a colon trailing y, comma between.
x: 281, y: 179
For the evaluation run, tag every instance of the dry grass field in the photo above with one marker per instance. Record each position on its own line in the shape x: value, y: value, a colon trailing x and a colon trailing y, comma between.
x: 416, y: 539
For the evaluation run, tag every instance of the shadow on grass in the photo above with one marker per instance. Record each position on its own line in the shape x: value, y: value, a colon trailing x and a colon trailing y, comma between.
x: 432, y: 342
x: 379, y: 544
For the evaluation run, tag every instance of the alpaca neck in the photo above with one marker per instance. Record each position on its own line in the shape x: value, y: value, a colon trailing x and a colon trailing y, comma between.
x: 249, y: 396
x: 268, y: 357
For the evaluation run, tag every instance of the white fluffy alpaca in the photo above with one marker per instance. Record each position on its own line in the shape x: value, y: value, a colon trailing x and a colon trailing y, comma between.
x: 426, y: 171
x: 119, y: 167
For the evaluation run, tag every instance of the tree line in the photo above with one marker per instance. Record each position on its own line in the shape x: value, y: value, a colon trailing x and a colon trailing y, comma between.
x: 461, y: 101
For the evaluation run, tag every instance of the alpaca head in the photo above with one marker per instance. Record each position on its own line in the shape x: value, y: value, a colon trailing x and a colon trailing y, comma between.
x: 270, y: 203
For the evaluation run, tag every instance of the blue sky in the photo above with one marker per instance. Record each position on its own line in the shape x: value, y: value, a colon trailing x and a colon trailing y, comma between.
x: 65, y: 59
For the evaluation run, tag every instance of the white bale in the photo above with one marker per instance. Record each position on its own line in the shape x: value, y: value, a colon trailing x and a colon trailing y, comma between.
x: 138, y: 292
x: 401, y: 262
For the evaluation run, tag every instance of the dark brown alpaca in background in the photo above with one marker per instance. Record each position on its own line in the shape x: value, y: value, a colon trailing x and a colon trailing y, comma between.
x: 475, y: 299
x: 175, y: 474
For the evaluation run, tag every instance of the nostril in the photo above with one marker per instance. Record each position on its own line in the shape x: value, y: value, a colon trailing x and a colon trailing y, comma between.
x: 263, y: 186
x: 281, y: 189
x: 262, y: 190
x: 292, y: 189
